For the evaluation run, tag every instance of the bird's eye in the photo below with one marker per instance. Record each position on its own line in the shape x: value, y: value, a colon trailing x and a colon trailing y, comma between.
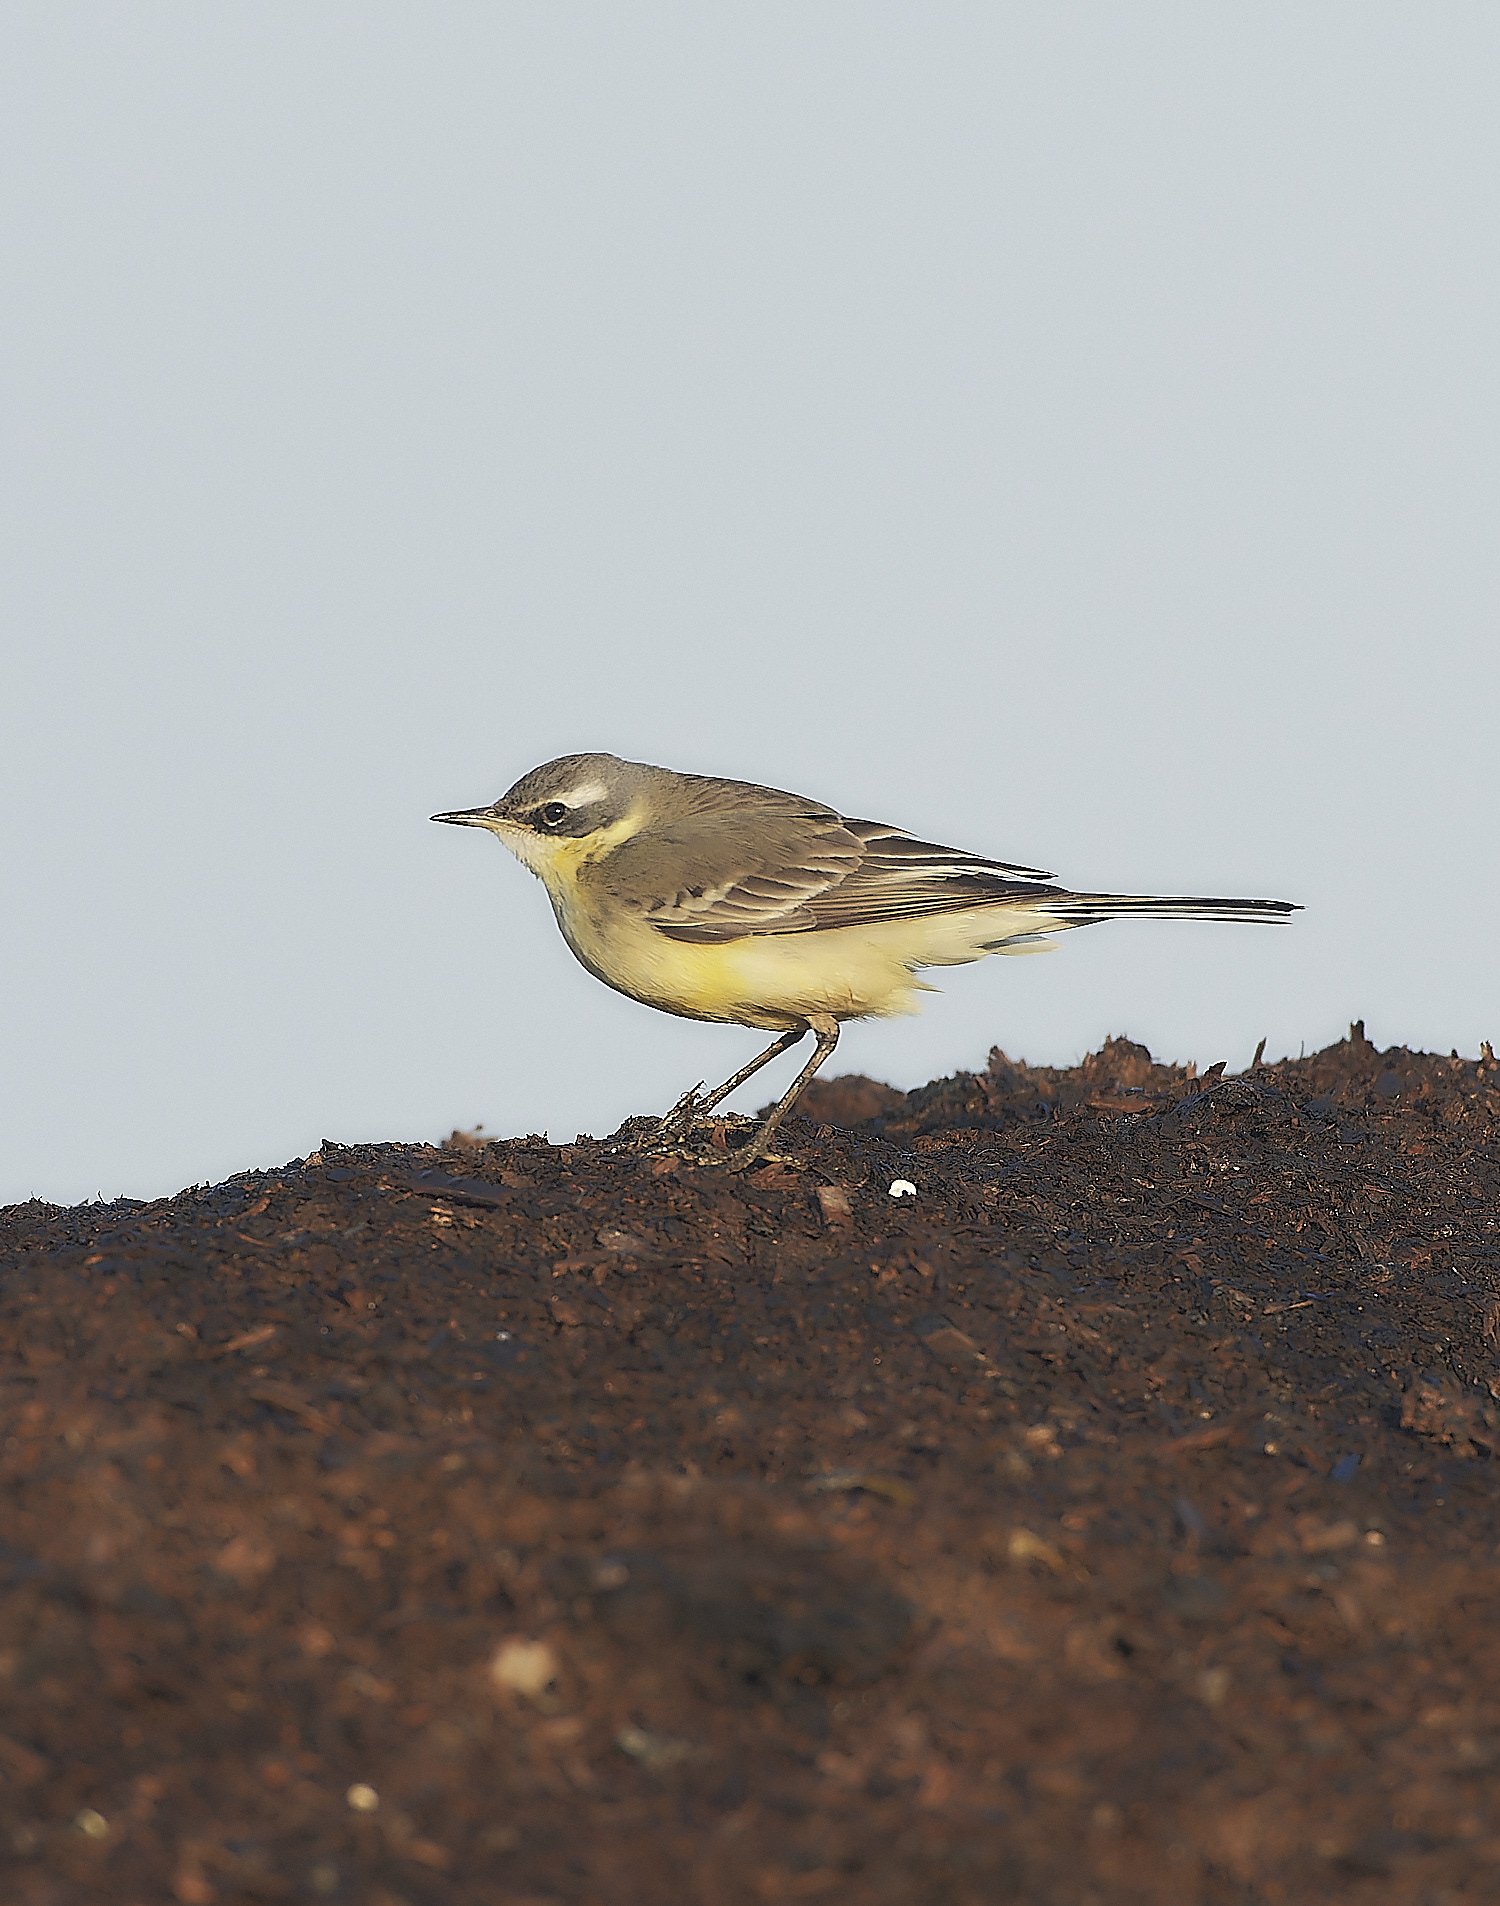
x: 553, y: 813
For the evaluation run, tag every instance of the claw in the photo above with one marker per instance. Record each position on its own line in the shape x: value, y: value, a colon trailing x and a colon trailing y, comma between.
x: 746, y: 1156
x: 680, y: 1120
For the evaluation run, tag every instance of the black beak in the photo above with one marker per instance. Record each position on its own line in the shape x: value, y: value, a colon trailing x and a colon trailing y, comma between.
x: 468, y: 817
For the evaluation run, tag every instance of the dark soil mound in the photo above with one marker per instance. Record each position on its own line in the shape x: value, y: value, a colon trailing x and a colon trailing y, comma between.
x: 1112, y: 1520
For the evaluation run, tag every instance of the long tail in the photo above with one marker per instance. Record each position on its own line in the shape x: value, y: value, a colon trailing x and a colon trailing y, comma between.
x: 1086, y: 909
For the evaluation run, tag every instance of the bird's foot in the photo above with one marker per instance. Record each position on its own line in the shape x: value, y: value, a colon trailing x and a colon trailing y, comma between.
x: 673, y: 1127
x: 758, y: 1152
x: 705, y: 1140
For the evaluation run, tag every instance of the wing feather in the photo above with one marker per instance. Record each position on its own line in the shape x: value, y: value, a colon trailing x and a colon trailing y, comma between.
x: 735, y: 866
x: 792, y: 867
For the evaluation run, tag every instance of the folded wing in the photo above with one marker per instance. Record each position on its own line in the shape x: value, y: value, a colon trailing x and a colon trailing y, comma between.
x: 799, y: 869
x: 790, y: 866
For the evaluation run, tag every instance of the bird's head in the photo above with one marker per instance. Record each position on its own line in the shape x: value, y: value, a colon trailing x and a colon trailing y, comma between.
x: 563, y: 811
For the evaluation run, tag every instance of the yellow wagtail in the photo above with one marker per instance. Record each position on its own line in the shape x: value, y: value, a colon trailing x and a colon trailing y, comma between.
x: 726, y: 901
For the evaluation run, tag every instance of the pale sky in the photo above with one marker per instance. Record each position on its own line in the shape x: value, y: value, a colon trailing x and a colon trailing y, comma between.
x: 1067, y: 431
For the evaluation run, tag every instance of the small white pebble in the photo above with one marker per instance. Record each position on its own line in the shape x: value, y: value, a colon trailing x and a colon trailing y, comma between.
x: 363, y: 1799
x: 93, y: 1825
x: 525, y: 1667
x: 903, y: 1188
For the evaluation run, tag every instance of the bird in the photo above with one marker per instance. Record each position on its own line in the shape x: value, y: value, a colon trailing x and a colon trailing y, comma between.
x: 727, y: 901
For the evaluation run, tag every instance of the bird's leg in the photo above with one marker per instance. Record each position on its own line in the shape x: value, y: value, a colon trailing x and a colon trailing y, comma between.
x: 679, y: 1121
x: 827, y: 1032
x: 722, y: 1092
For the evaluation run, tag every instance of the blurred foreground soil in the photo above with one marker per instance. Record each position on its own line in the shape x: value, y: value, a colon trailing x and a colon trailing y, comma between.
x: 1114, y: 1520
